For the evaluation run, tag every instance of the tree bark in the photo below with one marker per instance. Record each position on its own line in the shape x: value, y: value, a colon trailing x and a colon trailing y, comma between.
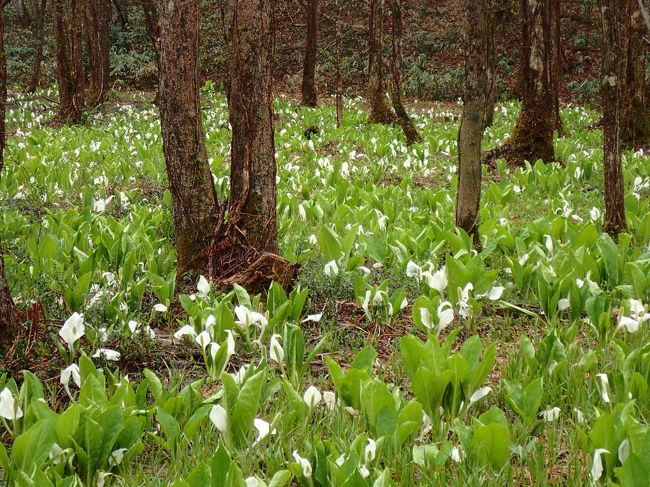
x: 8, y: 315
x: 39, y: 33
x: 309, y: 96
x: 613, y: 72
x: 96, y: 31
x: 556, y: 62
x: 491, y: 63
x: 411, y: 133
x: 253, y: 169
x: 532, y: 138
x: 635, y: 111
x: 67, y: 15
x: 379, y: 111
x: 470, y: 134
x: 194, y: 200
x: 150, y: 10
x: 339, y: 79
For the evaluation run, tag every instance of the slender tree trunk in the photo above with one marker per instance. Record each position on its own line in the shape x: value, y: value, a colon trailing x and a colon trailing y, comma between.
x: 121, y: 14
x: 96, y: 31
x: 24, y: 17
x: 151, y: 16
x: 491, y: 63
x: 150, y: 10
x: 194, y: 200
x: 309, y: 97
x: 614, y: 67
x: 253, y: 169
x: 473, y: 120
x: 532, y: 138
x: 339, y: 79
x: 8, y: 316
x: 635, y: 110
x: 412, y: 135
x: 556, y: 62
x: 379, y: 111
x: 67, y: 15
x: 39, y: 33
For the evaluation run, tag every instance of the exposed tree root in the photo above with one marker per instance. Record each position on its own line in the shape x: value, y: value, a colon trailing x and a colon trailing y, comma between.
x: 230, y: 260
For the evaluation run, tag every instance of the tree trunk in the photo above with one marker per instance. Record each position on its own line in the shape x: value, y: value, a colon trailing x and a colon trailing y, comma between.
x: 635, y: 110
x: 473, y: 119
x: 194, y: 200
x: 253, y: 169
x: 491, y: 63
x: 614, y: 68
x: 412, y: 135
x: 96, y: 31
x: 379, y: 111
x: 309, y: 97
x: 339, y: 79
x: 67, y: 15
x: 24, y: 17
x: 121, y: 14
x: 556, y: 63
x: 150, y: 10
x: 532, y: 138
x: 151, y: 16
x: 8, y: 315
x: 39, y: 33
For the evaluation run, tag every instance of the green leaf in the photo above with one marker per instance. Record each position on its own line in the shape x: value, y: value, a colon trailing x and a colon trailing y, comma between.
x: 280, y: 479
x: 240, y: 418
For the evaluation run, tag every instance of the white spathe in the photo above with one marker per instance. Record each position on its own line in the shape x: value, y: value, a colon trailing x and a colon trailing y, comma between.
x: 203, y: 286
x: 73, y: 329
x: 312, y: 396
x: 219, y: 418
x: 8, y: 407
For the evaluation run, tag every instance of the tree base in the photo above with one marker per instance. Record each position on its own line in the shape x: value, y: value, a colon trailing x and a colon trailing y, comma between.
x: 257, y: 275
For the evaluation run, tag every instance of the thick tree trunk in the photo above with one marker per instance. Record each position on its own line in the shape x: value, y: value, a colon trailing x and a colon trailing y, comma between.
x: 532, y: 138
x: 473, y: 120
x: 379, y: 111
x: 614, y: 67
x: 39, y: 34
x: 67, y: 16
x: 8, y: 315
x: 253, y: 170
x: 241, y: 248
x: 194, y: 200
x: 635, y: 110
x: 412, y: 135
x: 309, y: 97
x: 96, y: 31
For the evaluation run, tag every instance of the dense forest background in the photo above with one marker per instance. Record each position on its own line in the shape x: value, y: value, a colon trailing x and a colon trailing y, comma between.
x: 432, y: 65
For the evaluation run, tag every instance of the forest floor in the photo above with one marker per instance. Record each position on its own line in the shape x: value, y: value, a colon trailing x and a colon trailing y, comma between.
x: 87, y: 225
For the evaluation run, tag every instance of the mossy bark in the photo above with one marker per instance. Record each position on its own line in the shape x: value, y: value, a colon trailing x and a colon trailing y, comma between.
x: 635, y: 115
x: 194, y: 200
x: 39, y: 33
x: 8, y: 315
x: 379, y: 111
x: 68, y: 20
x: 470, y: 133
x: 403, y: 119
x: 253, y: 168
x: 613, y: 75
x: 532, y: 138
x: 96, y: 34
